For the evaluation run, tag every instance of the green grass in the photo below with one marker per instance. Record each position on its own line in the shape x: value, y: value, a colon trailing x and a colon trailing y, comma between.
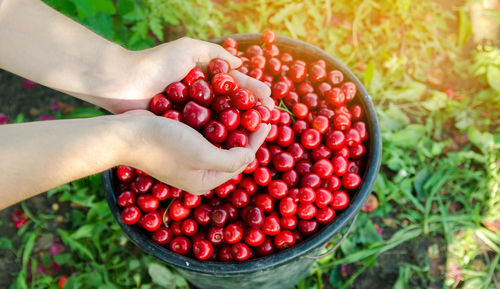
x: 440, y: 179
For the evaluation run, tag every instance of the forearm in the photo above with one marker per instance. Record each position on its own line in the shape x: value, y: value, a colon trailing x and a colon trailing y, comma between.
x: 60, y: 53
x: 38, y: 156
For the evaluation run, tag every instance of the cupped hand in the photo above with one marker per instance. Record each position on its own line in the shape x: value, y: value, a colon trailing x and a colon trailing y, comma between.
x: 178, y: 155
x: 153, y: 69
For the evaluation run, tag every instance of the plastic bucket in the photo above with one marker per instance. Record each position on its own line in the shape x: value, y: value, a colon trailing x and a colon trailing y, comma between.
x: 285, y: 268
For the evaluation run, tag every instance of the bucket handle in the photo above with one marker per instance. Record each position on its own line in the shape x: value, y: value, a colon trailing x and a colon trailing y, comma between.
x: 338, y: 243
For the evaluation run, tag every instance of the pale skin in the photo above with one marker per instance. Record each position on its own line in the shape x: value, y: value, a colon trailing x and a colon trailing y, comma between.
x: 45, y: 46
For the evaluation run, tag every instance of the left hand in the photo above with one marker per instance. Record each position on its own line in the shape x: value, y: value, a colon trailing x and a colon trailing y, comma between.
x: 151, y: 70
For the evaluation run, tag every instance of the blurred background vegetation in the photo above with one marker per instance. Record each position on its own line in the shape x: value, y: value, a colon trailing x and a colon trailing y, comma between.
x: 433, y: 70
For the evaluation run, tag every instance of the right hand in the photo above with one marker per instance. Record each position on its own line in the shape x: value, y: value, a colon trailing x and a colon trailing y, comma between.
x: 178, y: 155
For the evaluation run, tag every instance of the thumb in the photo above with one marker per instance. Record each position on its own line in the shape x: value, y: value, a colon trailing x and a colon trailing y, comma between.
x: 228, y: 160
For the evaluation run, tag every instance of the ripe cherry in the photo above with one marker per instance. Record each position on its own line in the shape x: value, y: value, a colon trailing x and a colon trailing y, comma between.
x: 288, y: 207
x: 325, y: 215
x: 351, y: 180
x: 223, y: 83
x: 131, y: 215
x: 218, y: 65
x: 340, y: 200
x: 240, y: 252
x: 283, y: 161
x: 159, y: 104
x: 201, y: 92
x: 151, y: 221
x: 147, y: 202
x: 162, y: 236
x: 180, y: 245
x: 310, y: 138
x: 202, y: 249
x: 193, y: 75
x: 243, y: 99
x: 215, y: 131
x: 269, y: 37
x: 284, y: 240
x: 271, y: 226
x: 233, y: 233
x: 251, y: 120
x: 125, y: 199
x: 236, y: 138
x: 254, y: 237
x: 177, y: 92
x: 195, y: 115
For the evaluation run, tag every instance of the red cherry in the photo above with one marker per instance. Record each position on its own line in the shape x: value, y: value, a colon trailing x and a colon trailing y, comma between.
x: 258, y: 62
x: 159, y: 104
x: 254, y: 217
x: 299, y: 126
x: 218, y: 65
x: 335, y: 77
x: 180, y: 245
x: 308, y: 227
x: 216, y: 235
x: 178, y: 211
x: 215, y: 131
x: 202, y: 249
x: 195, y: 115
x: 225, y: 189
x: 262, y: 176
x: 125, y: 173
x: 357, y: 152
x: 291, y: 178
x: 323, y: 198
x: 147, y: 202
x: 340, y: 200
x: 310, y: 180
x: 317, y: 73
x: 243, y: 99
x: 335, y: 96
x: 173, y: 114
x: 360, y: 126
x: 254, y: 237
x: 177, y: 92
x: 269, y: 37
x: 143, y: 184
x: 273, y: 133
x: 323, y: 168
x: 253, y: 50
x: 274, y: 66
x: 311, y: 100
x: 176, y: 193
x: 292, y: 98
x: 131, y: 215
x: 236, y: 138
x: 189, y: 227
x: 233, y: 234
x: 229, y: 42
x: 256, y: 73
x: 162, y: 236
x: 321, y: 152
x: 303, y: 167
x: 271, y: 226
x: 248, y: 184
x: 223, y: 83
x: 320, y: 123
x: 240, y: 198
x: 251, y: 120
x: 266, y: 248
x: 191, y: 201
x: 240, y: 252
x: 310, y: 138
x: 194, y: 75
x: 297, y: 72
x: 300, y: 110
x: 264, y: 112
x: 288, y: 223
x: 265, y: 202
x: 285, y: 136
x: 224, y: 254
x: 340, y: 166
x: 305, y: 88
x: 284, y: 240
x: 286, y: 58
x: 160, y: 191
x: 125, y: 199
x: 277, y: 189
x: 307, y: 195
x: 202, y: 214
x: 230, y: 118
x: 350, y: 90
x: 151, y: 221
x: 334, y: 183
x: 356, y: 112
x: 263, y: 156
x: 335, y: 140
x: 271, y: 51
x: 297, y: 151
x: 351, y: 180
x: 279, y: 90
x: 283, y: 161
x: 325, y: 215
x: 221, y: 103
x: 288, y: 207
x: 285, y: 118
x: 322, y: 88
x: 251, y: 167
x: 352, y: 137
x: 307, y: 211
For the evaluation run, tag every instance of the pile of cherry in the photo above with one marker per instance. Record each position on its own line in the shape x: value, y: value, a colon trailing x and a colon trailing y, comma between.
x: 305, y: 171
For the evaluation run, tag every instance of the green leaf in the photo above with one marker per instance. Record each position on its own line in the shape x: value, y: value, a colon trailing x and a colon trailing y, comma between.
x: 28, y: 248
x: 411, y: 91
x: 483, y: 141
x: 104, y: 6
x: 161, y: 275
x: 156, y: 27
x: 409, y: 136
x: 6, y: 243
x: 84, y: 112
x: 464, y: 27
x: 85, y: 231
x: 493, y: 77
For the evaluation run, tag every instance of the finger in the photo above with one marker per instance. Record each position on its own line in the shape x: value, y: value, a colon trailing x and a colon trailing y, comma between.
x: 212, y: 179
x: 260, y: 89
x: 257, y: 138
x: 212, y: 50
x: 227, y: 160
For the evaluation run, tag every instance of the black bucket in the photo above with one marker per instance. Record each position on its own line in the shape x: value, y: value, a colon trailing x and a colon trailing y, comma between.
x: 286, y: 268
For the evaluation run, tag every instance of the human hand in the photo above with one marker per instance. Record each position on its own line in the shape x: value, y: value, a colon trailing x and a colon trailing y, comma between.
x: 151, y: 70
x: 178, y: 155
